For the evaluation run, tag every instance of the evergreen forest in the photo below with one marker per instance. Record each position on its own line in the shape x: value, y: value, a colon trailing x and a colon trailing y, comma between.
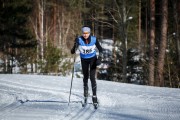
x: 36, y: 37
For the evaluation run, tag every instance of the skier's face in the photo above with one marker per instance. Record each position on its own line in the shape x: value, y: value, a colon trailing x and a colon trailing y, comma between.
x: 86, y: 35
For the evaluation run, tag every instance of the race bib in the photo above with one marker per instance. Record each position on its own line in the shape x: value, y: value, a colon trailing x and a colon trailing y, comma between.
x: 87, y: 49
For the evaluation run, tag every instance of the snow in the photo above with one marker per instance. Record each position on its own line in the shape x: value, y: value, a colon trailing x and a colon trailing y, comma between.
x: 37, y: 97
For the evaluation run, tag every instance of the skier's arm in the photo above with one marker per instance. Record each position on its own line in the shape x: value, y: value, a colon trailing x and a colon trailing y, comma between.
x: 75, y: 46
x: 98, y: 46
x: 98, y: 62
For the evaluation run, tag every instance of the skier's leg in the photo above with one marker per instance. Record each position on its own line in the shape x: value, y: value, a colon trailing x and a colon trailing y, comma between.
x: 85, y: 67
x: 93, y: 82
x: 92, y: 76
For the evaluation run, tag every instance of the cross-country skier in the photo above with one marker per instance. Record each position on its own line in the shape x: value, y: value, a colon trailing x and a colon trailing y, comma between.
x: 87, y: 45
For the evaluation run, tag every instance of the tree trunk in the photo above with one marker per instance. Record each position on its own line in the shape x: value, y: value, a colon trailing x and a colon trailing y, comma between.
x: 152, y: 39
x: 176, y: 12
x: 124, y: 36
x: 40, y: 28
x: 139, y: 26
x: 55, y: 24
x: 162, y: 46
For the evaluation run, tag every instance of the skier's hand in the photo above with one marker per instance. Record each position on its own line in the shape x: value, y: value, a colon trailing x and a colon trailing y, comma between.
x: 98, y: 61
x: 73, y: 50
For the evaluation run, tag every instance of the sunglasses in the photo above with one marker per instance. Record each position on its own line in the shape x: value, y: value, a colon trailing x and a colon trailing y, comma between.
x: 85, y: 32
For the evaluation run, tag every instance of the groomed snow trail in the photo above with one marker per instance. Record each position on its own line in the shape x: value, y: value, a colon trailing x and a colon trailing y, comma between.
x: 36, y: 97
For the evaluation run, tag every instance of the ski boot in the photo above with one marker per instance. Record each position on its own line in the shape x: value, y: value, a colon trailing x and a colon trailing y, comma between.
x: 85, y: 102
x: 95, y: 102
x: 85, y: 96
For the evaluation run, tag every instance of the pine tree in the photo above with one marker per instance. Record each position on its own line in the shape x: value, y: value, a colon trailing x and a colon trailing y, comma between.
x: 13, y: 30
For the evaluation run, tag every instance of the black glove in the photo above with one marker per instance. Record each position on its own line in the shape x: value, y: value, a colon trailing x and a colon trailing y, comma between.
x: 98, y: 61
x: 73, y: 50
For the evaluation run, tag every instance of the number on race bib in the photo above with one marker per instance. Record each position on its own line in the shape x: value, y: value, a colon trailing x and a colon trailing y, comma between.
x: 87, y: 51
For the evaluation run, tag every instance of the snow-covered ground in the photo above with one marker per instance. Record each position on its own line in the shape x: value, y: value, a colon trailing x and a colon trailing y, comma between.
x: 35, y: 97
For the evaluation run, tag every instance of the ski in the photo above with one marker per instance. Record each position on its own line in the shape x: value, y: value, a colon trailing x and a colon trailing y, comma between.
x: 95, y: 102
x: 85, y: 102
x: 96, y: 105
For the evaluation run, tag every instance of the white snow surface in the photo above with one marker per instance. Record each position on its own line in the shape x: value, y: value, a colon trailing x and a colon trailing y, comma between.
x: 37, y: 97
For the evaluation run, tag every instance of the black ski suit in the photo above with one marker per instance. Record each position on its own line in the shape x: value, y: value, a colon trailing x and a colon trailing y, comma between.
x: 88, y: 65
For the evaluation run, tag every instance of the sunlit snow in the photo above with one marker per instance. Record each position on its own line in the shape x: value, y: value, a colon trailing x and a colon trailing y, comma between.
x: 35, y: 97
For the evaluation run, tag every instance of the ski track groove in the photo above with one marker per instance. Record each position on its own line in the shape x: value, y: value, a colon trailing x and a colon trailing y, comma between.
x: 88, y: 110
x: 34, y: 90
x: 9, y: 107
x: 82, y: 112
x: 29, y: 87
x: 20, y: 99
x: 19, y: 94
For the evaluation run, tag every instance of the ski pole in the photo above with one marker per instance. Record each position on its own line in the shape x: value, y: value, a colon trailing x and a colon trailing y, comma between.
x: 71, y: 81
